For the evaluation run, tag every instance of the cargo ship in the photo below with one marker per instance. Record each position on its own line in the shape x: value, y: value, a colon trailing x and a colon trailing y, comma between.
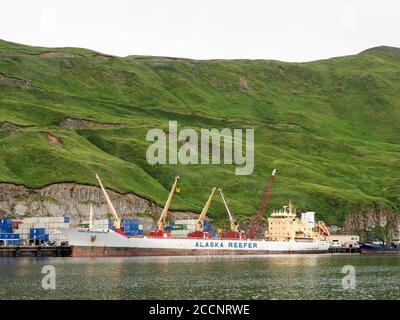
x: 286, y: 234
x: 98, y: 242
x: 379, y: 248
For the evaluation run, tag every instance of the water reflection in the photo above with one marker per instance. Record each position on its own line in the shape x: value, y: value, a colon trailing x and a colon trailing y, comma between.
x: 225, y: 277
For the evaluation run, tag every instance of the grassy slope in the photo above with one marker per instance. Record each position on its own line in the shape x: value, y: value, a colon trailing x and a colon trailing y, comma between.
x: 330, y: 127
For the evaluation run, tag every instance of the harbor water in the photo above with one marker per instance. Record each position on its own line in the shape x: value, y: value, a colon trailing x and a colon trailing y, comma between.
x: 260, y: 277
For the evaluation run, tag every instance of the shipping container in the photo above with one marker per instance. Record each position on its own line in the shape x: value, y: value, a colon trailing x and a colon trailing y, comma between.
x: 41, y: 237
x: 6, y: 221
x: 179, y: 227
x: 36, y: 231
x: 9, y: 236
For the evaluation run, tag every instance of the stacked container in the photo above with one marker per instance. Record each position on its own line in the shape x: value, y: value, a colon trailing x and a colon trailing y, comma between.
x: 6, y: 232
x: 43, y: 229
x: 132, y: 227
x: 102, y: 224
x: 10, y: 238
x: 180, y: 228
x: 37, y: 234
x: 6, y: 225
x: 207, y: 227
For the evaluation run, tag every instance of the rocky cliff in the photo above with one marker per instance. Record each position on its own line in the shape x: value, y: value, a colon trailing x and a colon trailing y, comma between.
x: 73, y: 200
x: 382, y: 223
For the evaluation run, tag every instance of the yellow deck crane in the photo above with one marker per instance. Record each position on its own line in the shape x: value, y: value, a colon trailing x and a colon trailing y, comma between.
x: 161, y: 233
x: 234, y: 233
x: 117, y: 221
x: 200, y: 233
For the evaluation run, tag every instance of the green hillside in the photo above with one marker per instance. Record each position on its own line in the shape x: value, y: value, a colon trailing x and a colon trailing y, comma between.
x: 330, y: 127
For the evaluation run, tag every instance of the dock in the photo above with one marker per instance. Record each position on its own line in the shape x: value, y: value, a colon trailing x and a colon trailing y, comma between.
x: 36, y: 251
x: 344, y: 250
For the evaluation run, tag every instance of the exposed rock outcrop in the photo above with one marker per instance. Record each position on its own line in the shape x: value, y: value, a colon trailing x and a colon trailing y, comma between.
x: 12, y: 81
x: 53, y: 139
x: 58, y: 54
x: 383, y: 223
x: 9, y: 126
x: 74, y: 124
x: 71, y: 199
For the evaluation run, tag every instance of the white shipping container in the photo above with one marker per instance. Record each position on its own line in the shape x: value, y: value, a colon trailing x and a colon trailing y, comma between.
x: 189, y: 221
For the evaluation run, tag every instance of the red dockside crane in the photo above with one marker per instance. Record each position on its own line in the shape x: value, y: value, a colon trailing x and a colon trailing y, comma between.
x: 263, y: 204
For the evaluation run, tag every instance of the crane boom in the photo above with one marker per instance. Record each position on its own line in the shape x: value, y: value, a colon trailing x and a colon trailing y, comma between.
x: 263, y: 204
x: 161, y: 222
x: 234, y: 224
x: 117, y: 221
x: 199, y: 224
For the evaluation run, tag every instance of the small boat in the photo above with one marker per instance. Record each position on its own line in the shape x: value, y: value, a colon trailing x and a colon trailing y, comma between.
x: 381, y: 248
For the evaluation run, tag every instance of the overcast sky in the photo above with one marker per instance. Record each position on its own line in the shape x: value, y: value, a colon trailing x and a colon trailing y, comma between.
x: 204, y: 29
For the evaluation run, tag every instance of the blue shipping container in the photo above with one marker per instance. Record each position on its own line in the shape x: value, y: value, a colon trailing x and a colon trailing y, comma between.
x: 39, y: 237
x: 5, y: 236
x: 135, y: 233
x: 6, y: 225
x: 6, y: 229
x: 130, y: 222
x: 213, y: 233
x: 36, y: 231
x: 131, y: 226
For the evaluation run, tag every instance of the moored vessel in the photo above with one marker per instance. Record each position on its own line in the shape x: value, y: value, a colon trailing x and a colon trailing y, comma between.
x: 379, y: 248
x: 92, y: 242
x: 292, y: 236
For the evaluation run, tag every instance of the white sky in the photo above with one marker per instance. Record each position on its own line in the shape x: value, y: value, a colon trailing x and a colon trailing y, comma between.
x: 299, y: 30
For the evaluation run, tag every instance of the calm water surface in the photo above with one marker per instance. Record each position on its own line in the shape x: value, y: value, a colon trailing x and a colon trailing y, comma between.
x: 266, y: 277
